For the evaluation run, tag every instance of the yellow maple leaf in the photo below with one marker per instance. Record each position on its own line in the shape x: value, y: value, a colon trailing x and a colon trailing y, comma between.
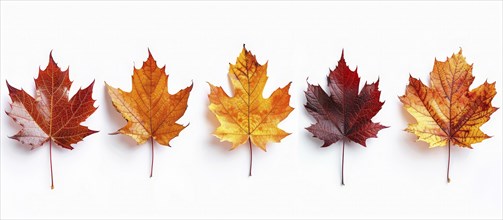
x: 150, y: 111
x: 248, y: 115
x: 448, y: 113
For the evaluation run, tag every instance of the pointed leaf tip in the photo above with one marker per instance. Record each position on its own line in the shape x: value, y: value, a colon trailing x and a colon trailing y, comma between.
x: 345, y: 105
x: 248, y: 72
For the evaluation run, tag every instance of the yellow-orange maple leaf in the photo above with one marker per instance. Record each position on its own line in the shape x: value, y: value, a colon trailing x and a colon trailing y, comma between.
x: 448, y: 113
x: 248, y: 115
x: 150, y: 111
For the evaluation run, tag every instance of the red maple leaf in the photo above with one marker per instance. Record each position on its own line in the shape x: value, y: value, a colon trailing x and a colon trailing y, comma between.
x: 50, y: 115
x: 345, y: 114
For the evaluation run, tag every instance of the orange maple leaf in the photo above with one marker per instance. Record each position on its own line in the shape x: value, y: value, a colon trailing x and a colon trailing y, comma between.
x: 150, y: 111
x: 448, y: 113
x: 248, y: 116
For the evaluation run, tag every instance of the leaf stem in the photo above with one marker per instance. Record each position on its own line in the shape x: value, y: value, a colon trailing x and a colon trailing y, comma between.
x: 251, y: 157
x: 152, y: 164
x: 449, y: 162
x: 50, y: 161
x: 342, y: 168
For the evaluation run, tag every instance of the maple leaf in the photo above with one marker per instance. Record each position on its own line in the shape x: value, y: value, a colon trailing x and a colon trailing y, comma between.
x: 50, y: 115
x: 448, y: 113
x: 150, y: 110
x: 345, y: 114
x: 248, y: 116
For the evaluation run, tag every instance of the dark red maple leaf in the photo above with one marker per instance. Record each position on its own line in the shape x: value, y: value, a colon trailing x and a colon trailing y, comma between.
x: 51, y: 115
x: 345, y: 114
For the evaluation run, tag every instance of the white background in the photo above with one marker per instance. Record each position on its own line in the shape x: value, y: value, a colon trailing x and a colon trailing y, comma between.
x: 107, y: 176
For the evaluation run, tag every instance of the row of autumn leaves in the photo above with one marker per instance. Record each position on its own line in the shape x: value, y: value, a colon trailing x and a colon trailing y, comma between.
x: 447, y: 113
